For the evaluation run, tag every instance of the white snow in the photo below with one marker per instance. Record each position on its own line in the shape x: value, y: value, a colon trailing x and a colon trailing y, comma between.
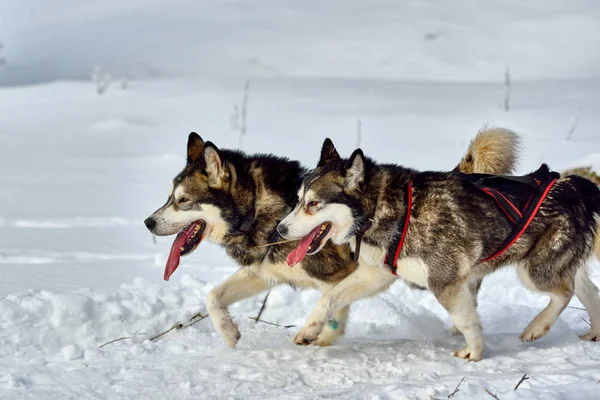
x: 81, y: 171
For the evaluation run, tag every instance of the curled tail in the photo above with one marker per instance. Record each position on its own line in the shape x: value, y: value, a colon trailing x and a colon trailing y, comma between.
x: 492, y: 151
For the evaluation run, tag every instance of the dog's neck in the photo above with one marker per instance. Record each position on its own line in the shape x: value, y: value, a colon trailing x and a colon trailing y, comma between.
x: 271, y: 205
x: 384, y: 203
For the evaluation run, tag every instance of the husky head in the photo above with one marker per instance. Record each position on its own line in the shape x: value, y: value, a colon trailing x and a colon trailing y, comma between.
x: 329, y: 204
x: 202, y: 203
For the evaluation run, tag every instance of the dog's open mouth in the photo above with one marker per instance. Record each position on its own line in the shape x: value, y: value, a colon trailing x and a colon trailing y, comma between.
x: 310, y: 244
x: 185, y: 243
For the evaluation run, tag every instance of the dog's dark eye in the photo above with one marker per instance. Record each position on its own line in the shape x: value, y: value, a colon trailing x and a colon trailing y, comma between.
x: 312, y: 204
x: 183, y: 200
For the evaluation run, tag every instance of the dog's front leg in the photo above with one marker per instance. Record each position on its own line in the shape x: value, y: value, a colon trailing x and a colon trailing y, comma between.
x: 241, y: 285
x: 366, y: 281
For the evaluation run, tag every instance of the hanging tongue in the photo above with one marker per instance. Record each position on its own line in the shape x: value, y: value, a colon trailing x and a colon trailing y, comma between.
x: 192, y: 232
x: 174, y: 255
x: 298, y: 254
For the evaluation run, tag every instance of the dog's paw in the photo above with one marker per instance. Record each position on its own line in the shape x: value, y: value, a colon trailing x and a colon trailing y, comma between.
x: 590, y: 336
x: 469, y: 355
x: 534, y: 332
x: 228, y: 331
x: 309, y: 334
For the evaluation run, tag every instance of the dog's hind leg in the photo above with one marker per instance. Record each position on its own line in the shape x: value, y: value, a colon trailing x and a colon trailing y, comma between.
x: 460, y: 302
x: 587, y: 293
x: 241, y: 285
x: 560, y: 291
x: 334, y: 328
x: 474, y: 286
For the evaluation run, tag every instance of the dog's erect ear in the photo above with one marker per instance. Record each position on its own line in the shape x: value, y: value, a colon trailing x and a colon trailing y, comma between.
x: 355, y: 171
x: 195, y: 148
x: 328, y: 153
x: 217, y: 171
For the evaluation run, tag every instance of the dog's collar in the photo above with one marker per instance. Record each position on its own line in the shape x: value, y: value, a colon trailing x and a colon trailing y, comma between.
x: 393, y: 252
x: 246, y: 223
x: 359, y: 236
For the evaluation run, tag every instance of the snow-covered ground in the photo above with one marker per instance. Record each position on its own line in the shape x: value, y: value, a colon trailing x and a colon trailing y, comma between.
x: 81, y: 171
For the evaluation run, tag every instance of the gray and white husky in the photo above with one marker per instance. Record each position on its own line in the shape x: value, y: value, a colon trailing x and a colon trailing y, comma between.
x: 444, y: 227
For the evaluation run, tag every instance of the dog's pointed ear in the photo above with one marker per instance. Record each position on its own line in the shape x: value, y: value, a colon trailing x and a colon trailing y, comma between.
x: 355, y: 171
x: 328, y: 153
x: 216, y: 170
x: 195, y: 148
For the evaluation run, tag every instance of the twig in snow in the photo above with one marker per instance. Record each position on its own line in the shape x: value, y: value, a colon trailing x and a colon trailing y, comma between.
x: 272, y: 323
x: 115, y: 340
x: 244, y: 110
x: 506, y: 89
x: 523, y: 379
x: 457, y: 388
x: 586, y: 321
x: 262, y: 307
x: 178, y: 325
x: 574, y: 124
x: 200, y: 318
x: 195, y: 319
x: 492, y: 394
x: 577, y: 308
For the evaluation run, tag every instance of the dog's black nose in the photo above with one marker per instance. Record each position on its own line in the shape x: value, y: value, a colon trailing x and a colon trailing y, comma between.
x: 282, y: 229
x: 150, y: 223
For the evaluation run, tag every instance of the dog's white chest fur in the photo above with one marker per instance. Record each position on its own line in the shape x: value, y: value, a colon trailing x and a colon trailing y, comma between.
x: 413, y: 270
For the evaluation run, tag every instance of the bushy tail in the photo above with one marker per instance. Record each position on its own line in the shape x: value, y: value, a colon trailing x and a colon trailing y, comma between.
x: 492, y: 151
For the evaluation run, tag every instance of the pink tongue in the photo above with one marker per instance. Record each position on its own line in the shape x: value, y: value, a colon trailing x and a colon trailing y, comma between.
x: 298, y: 254
x: 174, y: 255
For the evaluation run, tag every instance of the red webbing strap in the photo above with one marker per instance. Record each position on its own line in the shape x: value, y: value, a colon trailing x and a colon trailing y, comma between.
x: 524, y: 227
x: 400, y: 244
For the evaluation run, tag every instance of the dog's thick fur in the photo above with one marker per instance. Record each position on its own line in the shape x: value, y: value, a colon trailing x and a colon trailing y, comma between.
x: 486, y: 152
x: 243, y: 198
x: 588, y: 173
x: 453, y: 226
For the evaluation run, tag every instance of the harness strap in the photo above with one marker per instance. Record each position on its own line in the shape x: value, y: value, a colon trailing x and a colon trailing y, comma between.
x: 511, y: 211
x: 530, y: 211
x: 391, y: 258
x: 484, y: 178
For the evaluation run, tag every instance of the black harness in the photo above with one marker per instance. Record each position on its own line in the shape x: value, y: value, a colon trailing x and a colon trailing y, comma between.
x: 527, y: 193
x: 519, y: 197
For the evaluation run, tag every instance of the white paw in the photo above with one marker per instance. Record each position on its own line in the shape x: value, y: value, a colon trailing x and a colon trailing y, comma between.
x: 309, y: 333
x: 469, y: 355
x: 227, y: 329
x: 591, y: 336
x: 534, y: 332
